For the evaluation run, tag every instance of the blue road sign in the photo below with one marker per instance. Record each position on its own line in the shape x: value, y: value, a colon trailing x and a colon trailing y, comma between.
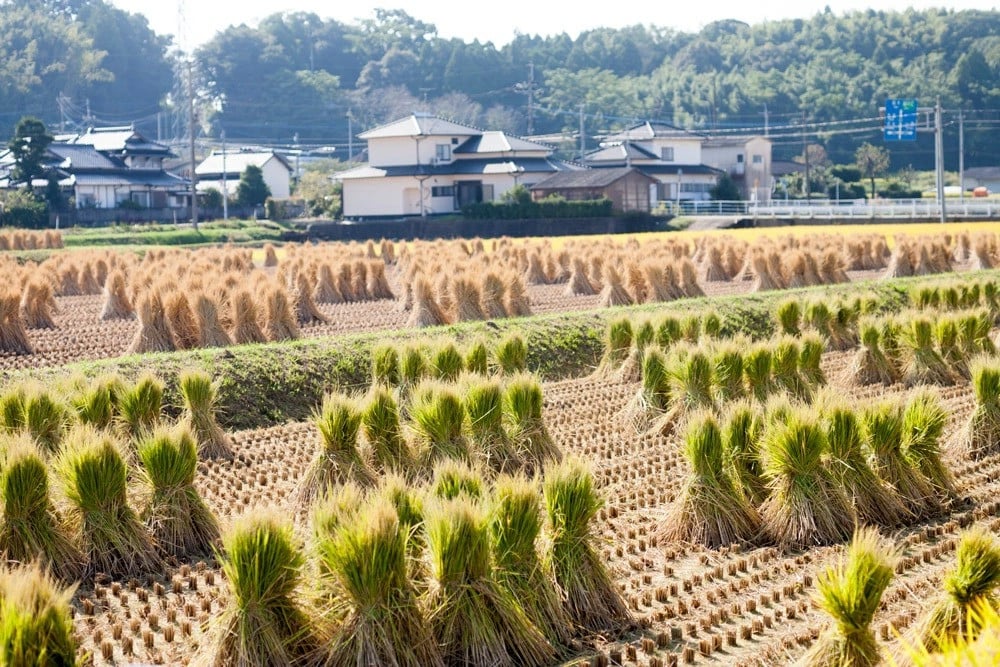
x: 900, y: 120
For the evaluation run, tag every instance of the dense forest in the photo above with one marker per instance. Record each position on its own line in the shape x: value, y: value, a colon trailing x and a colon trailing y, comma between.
x: 296, y: 77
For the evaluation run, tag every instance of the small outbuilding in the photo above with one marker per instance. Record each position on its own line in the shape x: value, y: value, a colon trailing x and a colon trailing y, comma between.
x: 629, y: 189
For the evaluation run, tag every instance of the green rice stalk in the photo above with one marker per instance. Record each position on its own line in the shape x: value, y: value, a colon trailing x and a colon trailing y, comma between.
x: 630, y: 370
x: 383, y: 433
x: 36, y: 624
x: 447, y: 363
x: 617, y: 344
x: 454, y: 478
x: 522, y: 407
x: 512, y: 355
x: 200, y: 397
x: 375, y: 618
x: 385, y: 366
x: 412, y: 370
x: 889, y: 335
x: 972, y: 583
x: 757, y: 364
x: 477, y: 358
x: 741, y: 433
x: 870, y: 364
x: 728, y: 372
x: 850, y: 591
x: 691, y: 328
x: 924, y: 420
x: 329, y: 512
x: 177, y: 517
x: 96, y: 403
x: 31, y: 529
x: 950, y: 298
x: 788, y: 315
x: 490, y: 442
x: 924, y: 297
x: 338, y: 459
x: 409, y: 507
x: 45, y: 419
x: 971, y: 295
x: 981, y: 435
x: 668, y: 331
x: 810, y: 360
x: 516, y: 523
x: 437, y: 414
x: 805, y: 504
x: 874, y: 501
x: 922, y: 364
x: 843, y: 327
x: 12, y: 414
x: 263, y: 623
x: 475, y: 620
x: 819, y: 318
x: 711, y: 325
x: 974, y: 333
x: 883, y: 429
x: 94, y: 478
x: 947, y: 333
x: 140, y: 405
x: 653, y: 397
x: 590, y: 596
x: 785, y: 369
x: 708, y: 509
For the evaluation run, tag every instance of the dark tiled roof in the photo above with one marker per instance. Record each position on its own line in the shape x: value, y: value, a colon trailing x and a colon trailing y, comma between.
x: 586, y: 178
x: 462, y: 168
x: 81, y: 156
x: 498, y: 142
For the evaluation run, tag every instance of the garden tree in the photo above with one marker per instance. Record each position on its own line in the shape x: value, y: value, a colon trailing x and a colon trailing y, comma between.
x: 211, y: 198
x: 321, y: 194
x: 872, y: 161
x: 725, y: 189
x: 27, y: 147
x: 519, y: 194
x: 252, y: 190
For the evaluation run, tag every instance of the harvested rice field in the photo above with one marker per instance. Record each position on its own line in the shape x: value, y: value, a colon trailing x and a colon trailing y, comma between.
x: 812, y: 481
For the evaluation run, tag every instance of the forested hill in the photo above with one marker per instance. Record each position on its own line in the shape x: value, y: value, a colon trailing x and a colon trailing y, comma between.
x: 297, y: 75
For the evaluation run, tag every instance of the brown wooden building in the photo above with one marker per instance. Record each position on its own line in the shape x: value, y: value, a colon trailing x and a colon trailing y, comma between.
x: 629, y: 189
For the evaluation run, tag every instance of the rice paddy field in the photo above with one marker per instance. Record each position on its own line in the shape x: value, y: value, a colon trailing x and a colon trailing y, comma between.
x: 728, y: 448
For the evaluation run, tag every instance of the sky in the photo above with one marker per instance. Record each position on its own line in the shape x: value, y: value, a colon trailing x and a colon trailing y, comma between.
x: 203, y: 19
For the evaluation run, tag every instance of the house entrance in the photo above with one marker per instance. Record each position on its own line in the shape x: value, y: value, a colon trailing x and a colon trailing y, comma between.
x: 469, y: 192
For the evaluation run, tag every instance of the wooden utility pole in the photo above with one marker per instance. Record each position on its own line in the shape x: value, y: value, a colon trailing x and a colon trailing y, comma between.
x: 194, y: 176
x: 939, y: 156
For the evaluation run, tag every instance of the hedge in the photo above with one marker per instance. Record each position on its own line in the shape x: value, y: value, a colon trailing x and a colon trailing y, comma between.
x: 591, y: 208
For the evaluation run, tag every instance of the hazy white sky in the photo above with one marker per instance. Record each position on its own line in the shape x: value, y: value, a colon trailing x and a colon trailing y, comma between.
x: 499, y: 23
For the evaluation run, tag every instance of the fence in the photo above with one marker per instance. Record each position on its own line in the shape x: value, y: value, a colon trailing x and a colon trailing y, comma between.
x: 907, y: 209
x: 102, y: 217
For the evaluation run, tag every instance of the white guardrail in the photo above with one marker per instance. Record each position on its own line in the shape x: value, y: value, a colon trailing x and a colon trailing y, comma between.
x: 828, y: 208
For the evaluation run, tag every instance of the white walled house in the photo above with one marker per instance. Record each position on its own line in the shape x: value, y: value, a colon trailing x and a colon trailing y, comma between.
x: 276, y: 171
x: 747, y: 160
x: 669, y: 154
x: 424, y: 165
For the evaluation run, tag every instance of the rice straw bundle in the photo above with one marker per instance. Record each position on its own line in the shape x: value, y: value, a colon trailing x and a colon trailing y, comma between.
x: 850, y: 591
x: 338, y: 459
x: 475, y: 620
x: 708, y: 509
x: 981, y: 435
x: 883, y: 429
x: 522, y: 407
x: 590, y: 597
x: 175, y: 513
x: 490, y: 443
x: 37, y: 627
x: 117, y: 305
x: 924, y: 420
x: 805, y: 504
x: 742, y: 429
x: 200, y: 396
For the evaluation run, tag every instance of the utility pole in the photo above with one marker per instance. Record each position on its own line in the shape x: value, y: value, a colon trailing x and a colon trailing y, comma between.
x: 583, y: 139
x: 805, y: 154
x: 225, y: 187
x: 766, y: 127
x: 194, y: 176
x: 531, y: 99
x: 350, y: 137
x: 939, y: 156
x: 961, y: 156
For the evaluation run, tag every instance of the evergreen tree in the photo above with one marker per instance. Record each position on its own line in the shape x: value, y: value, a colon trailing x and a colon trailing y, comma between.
x: 252, y: 190
x: 28, y: 145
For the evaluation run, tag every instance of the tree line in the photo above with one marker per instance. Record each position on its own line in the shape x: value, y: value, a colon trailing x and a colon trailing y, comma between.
x: 296, y: 77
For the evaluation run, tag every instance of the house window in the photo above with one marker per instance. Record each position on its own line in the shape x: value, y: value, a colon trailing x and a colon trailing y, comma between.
x: 667, y: 153
x: 442, y: 152
x: 758, y: 159
x: 739, y: 158
x: 443, y: 191
x: 696, y: 187
x: 487, y: 192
